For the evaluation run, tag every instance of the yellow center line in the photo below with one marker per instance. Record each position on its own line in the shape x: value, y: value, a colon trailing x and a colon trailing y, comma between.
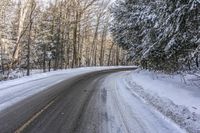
x: 19, y: 130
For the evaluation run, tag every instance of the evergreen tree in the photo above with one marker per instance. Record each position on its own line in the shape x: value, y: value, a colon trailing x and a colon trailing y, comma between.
x: 160, y: 35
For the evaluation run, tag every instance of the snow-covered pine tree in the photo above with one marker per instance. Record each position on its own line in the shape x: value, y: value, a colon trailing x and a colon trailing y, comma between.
x: 160, y: 35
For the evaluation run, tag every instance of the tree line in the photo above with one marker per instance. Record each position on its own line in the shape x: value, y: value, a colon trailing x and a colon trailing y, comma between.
x: 56, y: 34
x: 159, y: 34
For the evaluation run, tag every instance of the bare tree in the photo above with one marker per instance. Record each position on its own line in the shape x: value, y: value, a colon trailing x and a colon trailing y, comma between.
x: 58, y: 34
x: 32, y: 8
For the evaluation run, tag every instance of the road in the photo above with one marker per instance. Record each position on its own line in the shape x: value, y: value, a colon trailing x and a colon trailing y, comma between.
x: 97, y: 102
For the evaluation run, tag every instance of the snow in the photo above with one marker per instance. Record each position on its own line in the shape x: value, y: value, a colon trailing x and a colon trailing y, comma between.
x: 178, y: 88
x: 130, y: 112
x: 175, y: 96
x: 13, y: 91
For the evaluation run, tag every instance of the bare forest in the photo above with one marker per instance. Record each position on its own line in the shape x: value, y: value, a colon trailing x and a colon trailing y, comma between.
x: 56, y: 34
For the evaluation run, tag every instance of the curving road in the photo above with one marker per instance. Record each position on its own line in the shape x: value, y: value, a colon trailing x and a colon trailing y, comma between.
x: 98, y: 102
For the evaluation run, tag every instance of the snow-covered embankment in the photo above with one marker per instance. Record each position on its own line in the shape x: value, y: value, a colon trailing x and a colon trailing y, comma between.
x: 175, y: 96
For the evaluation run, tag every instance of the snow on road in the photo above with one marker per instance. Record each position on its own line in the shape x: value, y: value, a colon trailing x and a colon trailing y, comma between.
x: 13, y: 91
x: 138, y: 100
x: 126, y: 112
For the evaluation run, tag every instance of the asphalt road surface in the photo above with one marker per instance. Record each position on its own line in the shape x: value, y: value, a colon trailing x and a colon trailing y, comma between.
x: 91, y: 103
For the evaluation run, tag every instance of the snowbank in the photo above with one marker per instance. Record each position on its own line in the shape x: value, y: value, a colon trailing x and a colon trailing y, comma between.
x: 175, y: 96
x: 181, y: 89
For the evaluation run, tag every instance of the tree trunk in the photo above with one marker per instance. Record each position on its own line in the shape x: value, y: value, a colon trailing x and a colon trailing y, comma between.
x: 2, y: 54
x: 103, y: 39
x: 21, y: 30
x: 44, y: 58
x: 109, y: 55
x: 117, y: 56
x: 49, y: 64
x: 29, y: 37
x: 74, y: 60
x: 58, y: 45
x: 94, y: 45
x: 102, y: 50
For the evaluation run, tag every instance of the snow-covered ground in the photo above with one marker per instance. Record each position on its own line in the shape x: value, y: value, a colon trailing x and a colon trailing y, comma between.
x: 176, y: 96
x: 181, y: 89
x: 14, y: 74
x: 13, y: 91
x: 128, y: 112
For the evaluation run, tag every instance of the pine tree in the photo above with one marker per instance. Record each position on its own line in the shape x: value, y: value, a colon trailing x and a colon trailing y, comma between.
x: 160, y: 35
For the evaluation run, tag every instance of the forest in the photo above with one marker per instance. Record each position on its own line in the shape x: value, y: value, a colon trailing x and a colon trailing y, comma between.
x: 161, y: 35
x: 56, y: 34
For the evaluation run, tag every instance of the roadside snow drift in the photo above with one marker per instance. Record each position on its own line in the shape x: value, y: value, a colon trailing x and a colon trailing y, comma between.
x: 176, y: 97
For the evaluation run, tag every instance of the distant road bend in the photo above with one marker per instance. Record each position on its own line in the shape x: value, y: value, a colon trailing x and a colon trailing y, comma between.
x: 96, y: 102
